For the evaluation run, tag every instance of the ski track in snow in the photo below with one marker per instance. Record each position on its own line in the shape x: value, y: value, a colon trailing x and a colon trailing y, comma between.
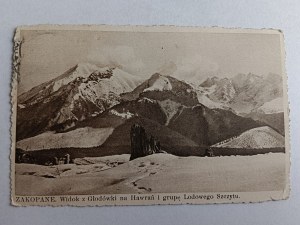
x: 158, y: 173
x: 144, y: 173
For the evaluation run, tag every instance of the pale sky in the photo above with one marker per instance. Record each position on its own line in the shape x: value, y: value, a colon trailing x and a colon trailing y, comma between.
x: 185, y: 55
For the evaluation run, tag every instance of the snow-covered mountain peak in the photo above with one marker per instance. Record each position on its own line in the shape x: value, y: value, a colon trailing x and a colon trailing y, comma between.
x: 161, y: 83
x: 243, y: 80
x: 210, y: 82
x: 161, y: 87
x: 130, y: 81
x: 88, y: 68
x: 82, y: 71
x: 242, y: 93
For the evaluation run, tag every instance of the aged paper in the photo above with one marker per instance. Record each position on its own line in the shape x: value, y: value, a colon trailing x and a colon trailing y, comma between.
x: 134, y: 115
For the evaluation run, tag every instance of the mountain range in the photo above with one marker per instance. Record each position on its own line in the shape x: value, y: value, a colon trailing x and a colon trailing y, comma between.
x: 176, y: 112
x: 243, y: 93
x: 83, y: 91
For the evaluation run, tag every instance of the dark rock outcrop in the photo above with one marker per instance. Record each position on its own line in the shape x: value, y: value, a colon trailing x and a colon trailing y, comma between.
x: 141, y: 145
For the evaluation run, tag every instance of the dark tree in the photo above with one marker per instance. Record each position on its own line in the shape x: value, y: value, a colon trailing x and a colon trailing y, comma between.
x: 138, y: 141
x: 141, y: 145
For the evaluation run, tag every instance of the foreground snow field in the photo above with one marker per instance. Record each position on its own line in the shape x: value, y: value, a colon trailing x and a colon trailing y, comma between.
x: 156, y: 173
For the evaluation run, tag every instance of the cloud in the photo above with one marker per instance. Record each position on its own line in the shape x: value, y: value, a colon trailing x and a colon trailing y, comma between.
x: 120, y: 56
x: 182, y: 66
x: 168, y: 68
x: 196, y: 64
x: 191, y: 67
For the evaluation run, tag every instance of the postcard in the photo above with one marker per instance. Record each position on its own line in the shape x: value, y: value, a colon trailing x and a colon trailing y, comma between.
x: 143, y: 115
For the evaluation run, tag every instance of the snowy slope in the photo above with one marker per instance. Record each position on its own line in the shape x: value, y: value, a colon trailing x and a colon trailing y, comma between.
x: 83, y: 70
x: 273, y: 106
x: 79, y: 138
x: 260, y: 137
x: 108, y: 90
x: 214, y: 92
x: 205, y: 100
x: 157, y: 173
x: 218, y: 89
x: 124, y: 115
x: 170, y: 108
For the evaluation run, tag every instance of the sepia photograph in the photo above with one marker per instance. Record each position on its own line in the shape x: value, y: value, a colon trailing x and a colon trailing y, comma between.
x: 136, y: 115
